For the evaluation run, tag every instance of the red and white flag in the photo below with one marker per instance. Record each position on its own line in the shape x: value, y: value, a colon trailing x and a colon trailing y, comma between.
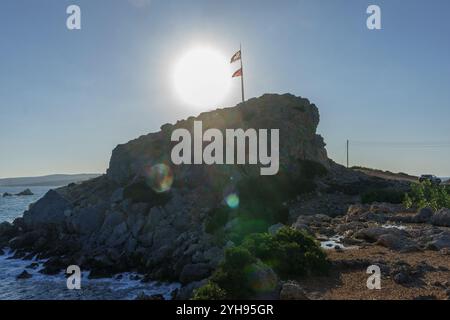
x: 236, y: 56
x: 238, y: 73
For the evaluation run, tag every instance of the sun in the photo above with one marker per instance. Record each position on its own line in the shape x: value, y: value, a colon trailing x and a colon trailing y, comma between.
x: 202, y: 77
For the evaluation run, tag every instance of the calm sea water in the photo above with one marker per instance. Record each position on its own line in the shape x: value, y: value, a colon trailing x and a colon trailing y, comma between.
x: 39, y: 286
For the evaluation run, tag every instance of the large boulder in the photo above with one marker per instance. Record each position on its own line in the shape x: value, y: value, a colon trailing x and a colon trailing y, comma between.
x: 50, y: 210
x: 441, y: 218
x: 291, y: 290
x: 424, y: 215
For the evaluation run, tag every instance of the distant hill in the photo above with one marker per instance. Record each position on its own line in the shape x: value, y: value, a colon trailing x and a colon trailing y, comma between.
x: 50, y: 180
x: 387, y: 174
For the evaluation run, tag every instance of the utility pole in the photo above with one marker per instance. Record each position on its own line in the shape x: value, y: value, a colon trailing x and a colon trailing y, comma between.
x: 347, y: 152
x: 242, y: 75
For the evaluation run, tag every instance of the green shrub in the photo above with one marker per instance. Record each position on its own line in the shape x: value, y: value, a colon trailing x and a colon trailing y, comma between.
x: 427, y: 194
x: 210, y: 291
x: 382, y: 195
x: 291, y: 253
x: 141, y: 192
x: 231, y: 276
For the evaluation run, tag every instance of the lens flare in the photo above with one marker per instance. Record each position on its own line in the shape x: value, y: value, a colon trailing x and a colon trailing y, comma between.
x: 159, y: 178
x: 232, y: 200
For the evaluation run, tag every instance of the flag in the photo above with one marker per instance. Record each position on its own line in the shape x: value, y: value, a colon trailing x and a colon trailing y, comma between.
x: 238, y: 73
x: 236, y: 56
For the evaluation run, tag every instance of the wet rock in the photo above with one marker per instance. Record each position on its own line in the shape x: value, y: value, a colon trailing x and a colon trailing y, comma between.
x: 291, y: 290
x: 24, y: 275
x: 26, y: 192
x: 6, y: 194
x: 7, y: 231
x: 32, y: 265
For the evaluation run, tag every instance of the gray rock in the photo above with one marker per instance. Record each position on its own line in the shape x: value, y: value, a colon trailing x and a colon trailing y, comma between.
x: 424, y: 215
x: 441, y: 218
x: 88, y: 220
x: 263, y: 280
x: 291, y: 290
x: 274, y: 228
x: 26, y: 192
x: 117, y: 196
x: 6, y: 194
x: 397, y: 242
x: 440, y: 242
x: 194, y: 272
x: 373, y: 234
x: 47, y: 211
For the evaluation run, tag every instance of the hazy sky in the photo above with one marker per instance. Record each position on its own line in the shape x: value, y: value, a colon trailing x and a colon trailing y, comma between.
x: 67, y: 98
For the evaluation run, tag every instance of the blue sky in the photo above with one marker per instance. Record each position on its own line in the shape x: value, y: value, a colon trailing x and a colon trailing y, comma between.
x: 67, y: 98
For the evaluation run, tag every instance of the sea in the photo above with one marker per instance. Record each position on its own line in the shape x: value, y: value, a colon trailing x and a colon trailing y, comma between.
x: 126, y: 286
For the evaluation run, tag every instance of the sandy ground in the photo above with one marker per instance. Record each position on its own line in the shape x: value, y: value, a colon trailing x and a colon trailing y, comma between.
x: 351, y: 284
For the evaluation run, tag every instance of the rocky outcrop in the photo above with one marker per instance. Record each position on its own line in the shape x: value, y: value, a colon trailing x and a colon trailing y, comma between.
x: 295, y: 117
x: 148, y: 215
x: 50, y: 210
x: 26, y: 192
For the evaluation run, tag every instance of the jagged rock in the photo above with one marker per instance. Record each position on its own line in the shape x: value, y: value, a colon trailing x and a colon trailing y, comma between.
x: 88, y: 220
x: 397, y: 242
x: 424, y: 215
x: 440, y: 241
x: 6, y: 194
x: 117, y: 196
x: 291, y: 290
x: 296, y: 118
x: 441, y: 218
x: 47, y: 211
x: 24, y: 275
x: 26, y: 192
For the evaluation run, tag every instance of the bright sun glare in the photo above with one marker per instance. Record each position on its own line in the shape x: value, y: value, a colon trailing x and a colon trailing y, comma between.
x: 202, y: 77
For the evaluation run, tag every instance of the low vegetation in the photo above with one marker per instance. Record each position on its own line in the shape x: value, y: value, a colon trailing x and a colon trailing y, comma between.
x: 383, y: 195
x: 290, y: 253
x: 427, y: 194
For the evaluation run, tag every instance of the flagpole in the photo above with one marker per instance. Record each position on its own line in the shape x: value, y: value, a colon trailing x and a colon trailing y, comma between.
x: 242, y: 75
